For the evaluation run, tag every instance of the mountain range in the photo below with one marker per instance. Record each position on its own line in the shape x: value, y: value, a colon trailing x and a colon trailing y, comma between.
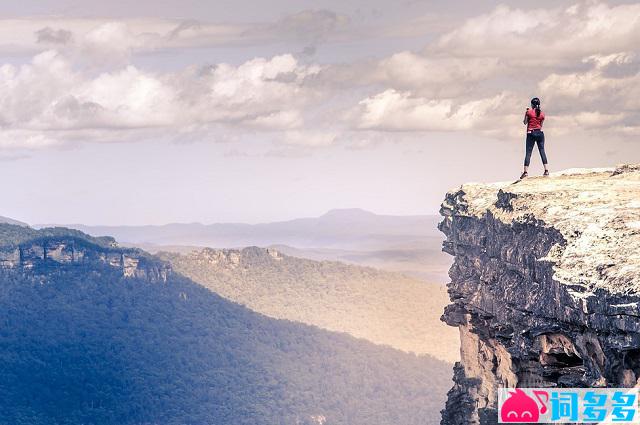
x: 408, y: 244
x: 340, y: 229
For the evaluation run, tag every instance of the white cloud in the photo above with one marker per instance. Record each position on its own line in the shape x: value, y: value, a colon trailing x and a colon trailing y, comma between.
x: 101, y: 37
x: 580, y: 60
x: 441, y: 76
x: 111, y: 42
x: 595, y: 88
x: 400, y: 111
x: 502, y: 31
x: 279, y: 120
x: 49, y: 96
x: 601, y: 61
x: 588, y: 120
x: 554, y: 34
x: 259, y: 92
x: 27, y: 91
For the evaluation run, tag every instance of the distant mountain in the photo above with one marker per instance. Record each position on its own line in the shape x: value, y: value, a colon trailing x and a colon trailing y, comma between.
x: 8, y: 220
x: 407, y: 244
x: 382, y: 307
x: 341, y: 229
x: 97, y: 334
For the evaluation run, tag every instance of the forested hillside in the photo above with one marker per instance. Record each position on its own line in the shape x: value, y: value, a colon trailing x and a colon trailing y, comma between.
x: 83, y: 342
x: 382, y: 307
x: 8, y: 220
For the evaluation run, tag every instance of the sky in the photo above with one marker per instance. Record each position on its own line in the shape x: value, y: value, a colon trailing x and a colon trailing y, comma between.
x: 152, y: 112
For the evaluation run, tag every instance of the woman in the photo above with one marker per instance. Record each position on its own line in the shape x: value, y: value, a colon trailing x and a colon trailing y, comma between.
x: 533, y: 119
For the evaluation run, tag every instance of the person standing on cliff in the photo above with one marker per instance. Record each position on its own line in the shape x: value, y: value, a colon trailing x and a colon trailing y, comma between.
x: 533, y: 119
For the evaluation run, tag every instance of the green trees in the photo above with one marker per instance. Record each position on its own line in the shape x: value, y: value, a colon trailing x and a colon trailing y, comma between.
x: 379, y: 306
x: 82, y: 344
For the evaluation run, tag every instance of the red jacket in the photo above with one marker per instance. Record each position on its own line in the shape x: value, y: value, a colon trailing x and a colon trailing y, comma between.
x: 533, y: 122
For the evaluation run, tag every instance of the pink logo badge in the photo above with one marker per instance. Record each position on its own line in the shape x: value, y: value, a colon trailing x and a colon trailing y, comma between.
x: 519, y: 407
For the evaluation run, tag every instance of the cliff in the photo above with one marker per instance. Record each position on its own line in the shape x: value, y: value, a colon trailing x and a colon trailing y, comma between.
x: 545, y: 285
x: 33, y: 251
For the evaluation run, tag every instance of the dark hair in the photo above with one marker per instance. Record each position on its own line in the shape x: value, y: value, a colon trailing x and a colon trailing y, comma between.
x: 535, y: 102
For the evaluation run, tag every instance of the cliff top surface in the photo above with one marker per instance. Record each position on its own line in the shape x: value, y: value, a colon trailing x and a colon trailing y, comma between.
x: 597, y: 212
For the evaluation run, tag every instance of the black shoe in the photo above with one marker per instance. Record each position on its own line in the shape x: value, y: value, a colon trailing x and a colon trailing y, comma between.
x: 523, y: 175
x: 546, y: 173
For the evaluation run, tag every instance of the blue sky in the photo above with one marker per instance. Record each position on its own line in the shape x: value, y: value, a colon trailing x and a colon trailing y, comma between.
x: 167, y: 111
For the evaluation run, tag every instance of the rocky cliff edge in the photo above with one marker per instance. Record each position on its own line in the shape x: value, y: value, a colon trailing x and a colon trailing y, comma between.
x: 545, y: 286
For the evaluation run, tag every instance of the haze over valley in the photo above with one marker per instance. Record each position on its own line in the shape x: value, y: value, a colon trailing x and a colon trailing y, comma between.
x: 407, y: 244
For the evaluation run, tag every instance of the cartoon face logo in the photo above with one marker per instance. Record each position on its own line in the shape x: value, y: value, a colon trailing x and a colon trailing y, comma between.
x: 520, y: 408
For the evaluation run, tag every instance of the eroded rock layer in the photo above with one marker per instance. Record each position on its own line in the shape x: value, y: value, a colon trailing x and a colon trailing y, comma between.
x: 545, y: 286
x: 37, y: 251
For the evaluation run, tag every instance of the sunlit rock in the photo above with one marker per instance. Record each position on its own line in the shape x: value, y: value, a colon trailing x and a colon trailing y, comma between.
x: 545, y: 286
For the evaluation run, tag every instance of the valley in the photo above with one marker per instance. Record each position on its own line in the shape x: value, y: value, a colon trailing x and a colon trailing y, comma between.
x: 382, y: 307
x: 85, y: 341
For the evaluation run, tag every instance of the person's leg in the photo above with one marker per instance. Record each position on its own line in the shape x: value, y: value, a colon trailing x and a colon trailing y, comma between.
x: 529, y: 150
x: 543, y: 154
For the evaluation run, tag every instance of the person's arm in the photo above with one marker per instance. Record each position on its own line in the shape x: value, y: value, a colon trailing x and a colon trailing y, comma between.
x: 526, y: 118
x: 541, y: 119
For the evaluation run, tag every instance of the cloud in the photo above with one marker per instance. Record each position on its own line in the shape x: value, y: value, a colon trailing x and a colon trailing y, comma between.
x: 400, y: 111
x: 580, y: 60
x: 593, y: 88
x: 309, y: 25
x: 588, y: 120
x: 30, y: 35
x: 27, y: 91
x: 258, y: 92
x: 479, y: 76
x: 111, y: 42
x: 48, y: 95
x: 101, y: 37
x: 441, y: 76
x: 502, y: 30
x: 559, y: 35
x: 602, y: 61
x: 48, y: 35
x: 594, y: 101
x: 278, y: 120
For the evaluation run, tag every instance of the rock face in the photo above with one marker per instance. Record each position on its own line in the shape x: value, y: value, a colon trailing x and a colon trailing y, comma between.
x: 32, y: 250
x: 545, y: 286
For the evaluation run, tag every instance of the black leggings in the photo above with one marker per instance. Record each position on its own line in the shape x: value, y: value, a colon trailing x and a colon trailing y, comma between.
x: 533, y: 138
